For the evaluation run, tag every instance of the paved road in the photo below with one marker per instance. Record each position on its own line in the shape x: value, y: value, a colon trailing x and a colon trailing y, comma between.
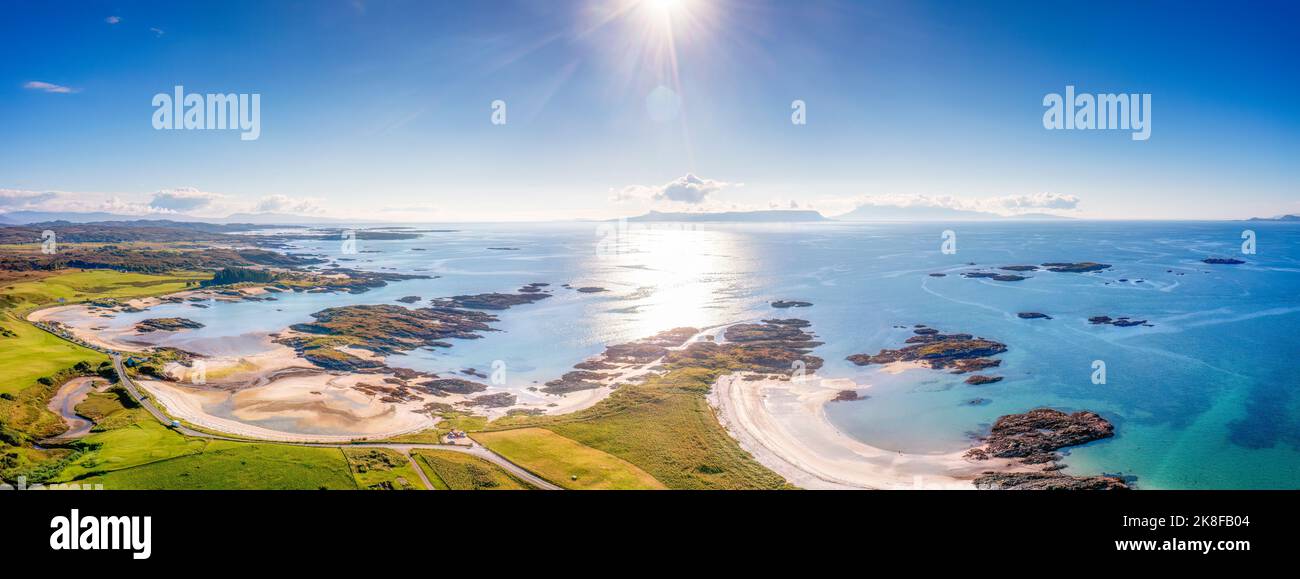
x: 476, y: 450
x: 428, y: 485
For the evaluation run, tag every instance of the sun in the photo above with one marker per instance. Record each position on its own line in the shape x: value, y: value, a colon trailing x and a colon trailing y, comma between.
x: 665, y: 6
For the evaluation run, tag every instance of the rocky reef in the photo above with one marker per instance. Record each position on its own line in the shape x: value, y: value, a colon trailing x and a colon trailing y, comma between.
x: 389, y: 329
x: 958, y: 352
x: 1033, y: 316
x: 649, y: 349
x: 574, y: 381
x: 783, y: 304
x: 1122, y: 321
x: 1047, y: 481
x: 980, y: 380
x: 994, y: 276
x: 1077, y: 267
x: 489, y: 301
x: 591, y: 374
x: 494, y: 400
x: 847, y: 396
x: 1222, y: 261
x: 166, y: 325
x: 1033, y: 438
x: 409, y: 299
x: 774, y: 346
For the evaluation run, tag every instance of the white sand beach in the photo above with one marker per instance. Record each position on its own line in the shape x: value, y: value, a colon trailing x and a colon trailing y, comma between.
x: 784, y: 425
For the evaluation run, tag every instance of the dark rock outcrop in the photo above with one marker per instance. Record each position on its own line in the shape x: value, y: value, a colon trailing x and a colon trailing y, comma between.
x: 783, y: 304
x: 166, y: 325
x: 1078, y: 267
x: 1033, y: 316
x: 979, y: 380
x: 1122, y: 322
x: 1047, y: 481
x: 847, y: 396
x: 960, y: 352
x: 574, y: 381
x: 494, y: 400
x: 488, y: 301
x: 1034, y: 436
x: 994, y: 276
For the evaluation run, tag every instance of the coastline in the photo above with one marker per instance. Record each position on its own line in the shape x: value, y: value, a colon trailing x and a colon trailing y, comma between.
x: 783, y: 424
x: 277, y: 383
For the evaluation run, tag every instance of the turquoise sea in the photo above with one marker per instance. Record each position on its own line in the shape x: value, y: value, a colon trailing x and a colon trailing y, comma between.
x: 1206, y: 397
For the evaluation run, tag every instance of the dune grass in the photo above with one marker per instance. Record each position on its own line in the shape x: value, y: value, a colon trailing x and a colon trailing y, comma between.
x: 565, y: 462
x: 457, y: 471
x: 666, y: 427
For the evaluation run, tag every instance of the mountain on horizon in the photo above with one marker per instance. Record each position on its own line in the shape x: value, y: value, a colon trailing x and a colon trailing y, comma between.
x: 1288, y: 217
x: 764, y: 216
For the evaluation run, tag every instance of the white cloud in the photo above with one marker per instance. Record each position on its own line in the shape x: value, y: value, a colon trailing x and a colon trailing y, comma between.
x: 157, y: 31
x: 48, y: 87
x: 1036, y: 201
x: 183, y: 200
x: 18, y: 200
x: 1002, y: 205
x: 286, y: 204
x: 119, y: 206
x: 113, y: 19
x: 688, y: 189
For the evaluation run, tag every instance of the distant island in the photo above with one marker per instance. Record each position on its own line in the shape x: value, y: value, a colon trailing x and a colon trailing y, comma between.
x: 870, y: 212
x: 769, y: 216
x: 1290, y: 217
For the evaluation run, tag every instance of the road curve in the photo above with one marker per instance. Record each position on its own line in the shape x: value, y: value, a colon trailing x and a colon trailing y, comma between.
x: 475, y: 450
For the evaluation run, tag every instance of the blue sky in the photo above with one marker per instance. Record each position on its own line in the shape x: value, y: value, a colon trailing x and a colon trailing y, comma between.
x: 383, y: 109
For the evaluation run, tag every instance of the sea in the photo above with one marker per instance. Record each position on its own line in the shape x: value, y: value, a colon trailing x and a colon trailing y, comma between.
x: 1204, y: 395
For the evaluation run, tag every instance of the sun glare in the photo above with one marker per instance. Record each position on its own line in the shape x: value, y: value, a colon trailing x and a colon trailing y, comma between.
x: 666, y: 7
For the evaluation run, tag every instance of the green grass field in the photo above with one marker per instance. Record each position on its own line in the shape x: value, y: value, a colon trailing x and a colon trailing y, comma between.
x: 85, y: 285
x: 136, y: 439
x: 666, y: 428
x: 238, y: 465
x: 382, y: 469
x: 565, y: 462
x: 31, y: 352
x: 136, y: 452
x: 457, y: 471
